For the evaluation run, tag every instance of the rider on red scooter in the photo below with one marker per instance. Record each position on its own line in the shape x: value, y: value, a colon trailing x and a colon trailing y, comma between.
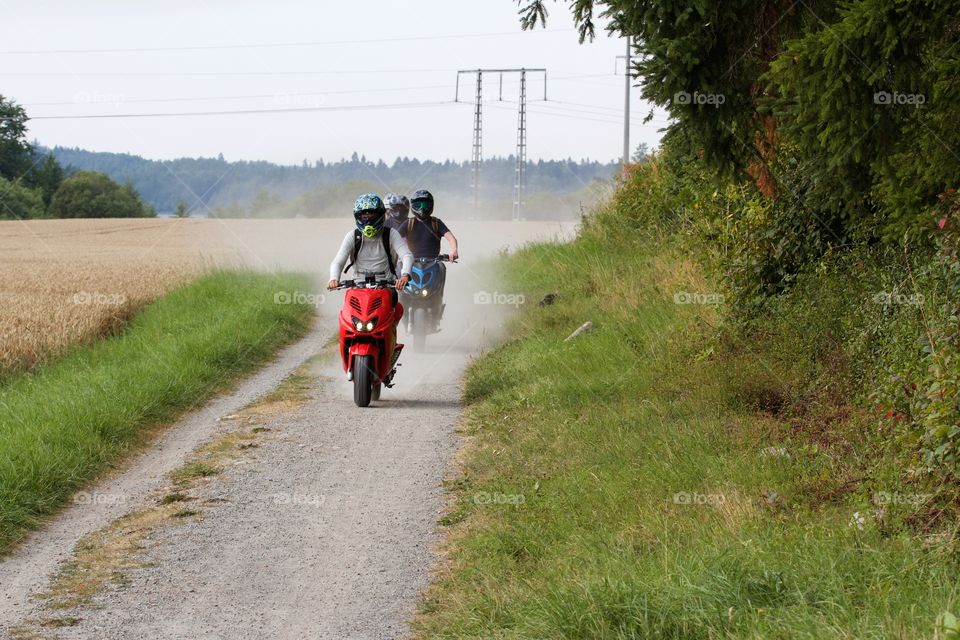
x: 371, y: 311
x: 372, y: 251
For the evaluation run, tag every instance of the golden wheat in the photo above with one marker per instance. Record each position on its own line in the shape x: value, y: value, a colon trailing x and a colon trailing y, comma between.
x: 69, y: 281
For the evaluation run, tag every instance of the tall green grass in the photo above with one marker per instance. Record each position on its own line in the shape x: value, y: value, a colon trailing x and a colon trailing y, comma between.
x: 620, y: 485
x: 67, y: 422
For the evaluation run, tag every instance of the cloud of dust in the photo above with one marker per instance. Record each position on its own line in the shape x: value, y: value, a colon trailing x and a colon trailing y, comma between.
x: 476, y: 304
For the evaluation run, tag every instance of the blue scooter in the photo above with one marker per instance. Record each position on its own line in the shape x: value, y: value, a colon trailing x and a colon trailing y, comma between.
x: 423, y: 298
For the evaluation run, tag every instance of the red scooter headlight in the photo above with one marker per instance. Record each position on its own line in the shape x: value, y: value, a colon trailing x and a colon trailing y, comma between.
x: 362, y: 326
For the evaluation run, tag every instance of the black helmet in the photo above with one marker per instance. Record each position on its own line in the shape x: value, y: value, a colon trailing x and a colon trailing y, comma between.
x: 421, y: 202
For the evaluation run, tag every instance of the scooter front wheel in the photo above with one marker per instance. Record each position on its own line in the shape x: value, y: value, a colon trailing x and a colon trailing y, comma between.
x: 362, y: 380
x: 419, y: 329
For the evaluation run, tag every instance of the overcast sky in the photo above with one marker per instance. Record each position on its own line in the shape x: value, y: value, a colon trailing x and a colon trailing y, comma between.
x: 376, y: 53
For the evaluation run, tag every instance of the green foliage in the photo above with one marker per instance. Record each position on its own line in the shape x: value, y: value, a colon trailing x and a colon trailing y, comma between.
x: 921, y: 395
x: 88, y: 194
x: 182, y: 211
x: 18, y: 202
x: 860, y: 96
x: 46, y: 175
x: 867, y: 98
x: 15, y: 152
x: 875, y: 324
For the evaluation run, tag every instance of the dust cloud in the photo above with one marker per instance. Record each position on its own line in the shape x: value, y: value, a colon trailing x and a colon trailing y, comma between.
x: 476, y: 304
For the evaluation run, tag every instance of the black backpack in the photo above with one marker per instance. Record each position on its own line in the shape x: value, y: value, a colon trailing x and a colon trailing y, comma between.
x: 358, y: 240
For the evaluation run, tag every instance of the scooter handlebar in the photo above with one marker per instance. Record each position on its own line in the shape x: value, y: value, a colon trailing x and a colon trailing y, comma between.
x: 352, y: 284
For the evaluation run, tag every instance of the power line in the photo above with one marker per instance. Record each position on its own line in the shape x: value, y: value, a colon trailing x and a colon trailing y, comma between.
x: 294, y: 94
x: 536, y: 108
x: 144, y: 74
x: 550, y: 105
x: 362, y: 107
x: 275, y: 95
x: 267, y: 45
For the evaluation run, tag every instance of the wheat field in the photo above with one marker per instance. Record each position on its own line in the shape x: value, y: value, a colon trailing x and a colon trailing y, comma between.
x: 64, y: 282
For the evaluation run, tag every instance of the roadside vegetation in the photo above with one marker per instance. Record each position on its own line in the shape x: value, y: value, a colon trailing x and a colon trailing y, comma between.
x: 760, y: 436
x: 671, y: 474
x: 33, y: 184
x: 68, y: 421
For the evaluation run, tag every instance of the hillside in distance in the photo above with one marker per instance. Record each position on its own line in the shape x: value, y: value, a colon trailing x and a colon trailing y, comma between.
x: 217, y: 184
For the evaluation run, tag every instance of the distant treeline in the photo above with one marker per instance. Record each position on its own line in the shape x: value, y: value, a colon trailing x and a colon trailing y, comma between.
x: 208, y: 183
x: 337, y: 200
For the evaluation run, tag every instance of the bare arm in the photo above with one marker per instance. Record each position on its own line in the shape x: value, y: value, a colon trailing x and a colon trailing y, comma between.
x: 454, y: 254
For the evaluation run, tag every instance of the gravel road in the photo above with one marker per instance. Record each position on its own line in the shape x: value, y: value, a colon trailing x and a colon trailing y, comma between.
x: 325, y: 530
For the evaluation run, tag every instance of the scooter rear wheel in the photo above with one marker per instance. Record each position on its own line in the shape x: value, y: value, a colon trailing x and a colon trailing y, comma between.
x: 362, y: 380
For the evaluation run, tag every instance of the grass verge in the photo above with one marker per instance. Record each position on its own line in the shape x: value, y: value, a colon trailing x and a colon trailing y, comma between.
x: 66, y: 423
x: 634, y: 483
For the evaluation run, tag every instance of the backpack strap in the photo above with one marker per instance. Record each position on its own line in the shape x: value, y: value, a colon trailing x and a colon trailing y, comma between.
x: 433, y: 222
x: 358, y: 240
x: 410, y: 224
x: 386, y: 233
x: 356, y: 250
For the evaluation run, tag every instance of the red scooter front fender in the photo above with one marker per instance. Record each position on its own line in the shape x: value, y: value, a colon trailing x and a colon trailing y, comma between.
x: 364, y: 349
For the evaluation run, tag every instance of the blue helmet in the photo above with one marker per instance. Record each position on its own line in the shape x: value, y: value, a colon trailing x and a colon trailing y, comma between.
x: 369, y: 214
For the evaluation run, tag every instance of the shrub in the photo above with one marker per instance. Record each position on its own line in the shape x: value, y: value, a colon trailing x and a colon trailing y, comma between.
x: 89, y: 194
x: 17, y: 202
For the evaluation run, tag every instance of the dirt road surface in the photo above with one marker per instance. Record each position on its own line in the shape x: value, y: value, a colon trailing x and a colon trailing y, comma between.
x: 325, y: 526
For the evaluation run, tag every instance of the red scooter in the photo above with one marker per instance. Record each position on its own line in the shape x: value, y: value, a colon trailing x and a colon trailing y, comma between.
x: 368, y: 336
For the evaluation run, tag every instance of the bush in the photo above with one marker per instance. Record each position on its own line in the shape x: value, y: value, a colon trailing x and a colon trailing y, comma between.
x: 89, y: 194
x: 921, y: 398
x: 17, y: 202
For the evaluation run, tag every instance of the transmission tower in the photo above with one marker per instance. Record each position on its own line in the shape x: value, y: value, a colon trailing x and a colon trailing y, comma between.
x: 477, y: 139
x: 520, y: 174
